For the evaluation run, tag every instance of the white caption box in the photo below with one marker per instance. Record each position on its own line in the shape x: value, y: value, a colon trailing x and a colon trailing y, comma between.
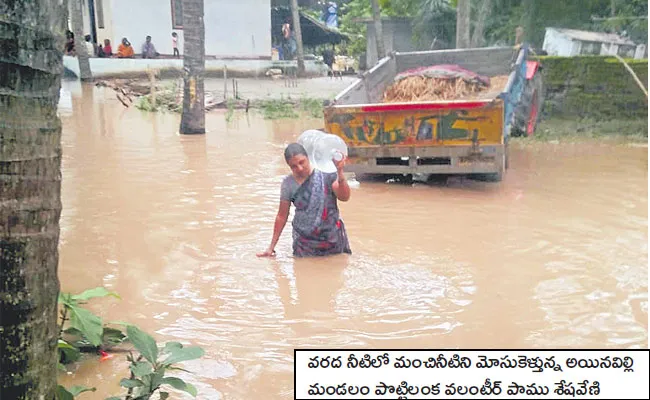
x: 487, y: 374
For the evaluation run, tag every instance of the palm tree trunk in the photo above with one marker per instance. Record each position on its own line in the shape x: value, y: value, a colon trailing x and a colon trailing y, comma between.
x: 462, y: 24
x: 193, y: 118
x: 30, y: 195
x: 297, y: 32
x: 79, y: 43
x: 379, y: 32
x: 478, y: 38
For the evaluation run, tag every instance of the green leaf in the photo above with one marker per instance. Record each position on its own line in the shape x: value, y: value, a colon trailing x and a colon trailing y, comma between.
x: 77, y: 390
x: 191, y: 389
x: 73, y: 332
x: 164, y: 395
x: 157, y: 377
x: 88, y: 323
x: 63, y: 394
x: 62, y: 344
x: 61, y: 367
x: 113, y: 336
x: 170, y: 368
x: 66, y: 300
x: 170, y: 346
x: 141, y: 369
x: 184, y: 354
x: 113, y: 398
x: 69, y: 352
x: 92, y: 293
x: 179, y: 384
x: 131, y: 383
x: 144, y: 343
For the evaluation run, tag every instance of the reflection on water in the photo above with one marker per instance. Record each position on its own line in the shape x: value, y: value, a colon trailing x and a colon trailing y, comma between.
x: 555, y: 256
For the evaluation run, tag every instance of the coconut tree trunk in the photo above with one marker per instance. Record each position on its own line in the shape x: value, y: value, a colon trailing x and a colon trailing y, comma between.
x: 478, y: 37
x: 379, y: 32
x: 76, y: 19
x: 462, y: 24
x: 297, y: 32
x: 193, y: 118
x: 30, y: 195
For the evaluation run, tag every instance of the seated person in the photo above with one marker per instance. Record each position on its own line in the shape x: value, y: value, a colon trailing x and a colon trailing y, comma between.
x: 108, y: 50
x: 148, y: 49
x: 125, y: 50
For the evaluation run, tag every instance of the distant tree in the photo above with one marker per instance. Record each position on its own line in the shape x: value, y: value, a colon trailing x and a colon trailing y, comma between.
x: 462, y: 24
x: 379, y: 32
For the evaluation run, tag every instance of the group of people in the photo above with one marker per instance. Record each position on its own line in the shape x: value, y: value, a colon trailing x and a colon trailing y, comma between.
x: 124, y: 50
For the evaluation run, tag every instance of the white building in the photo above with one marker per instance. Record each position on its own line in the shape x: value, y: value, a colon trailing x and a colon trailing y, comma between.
x: 233, y: 28
x: 571, y: 42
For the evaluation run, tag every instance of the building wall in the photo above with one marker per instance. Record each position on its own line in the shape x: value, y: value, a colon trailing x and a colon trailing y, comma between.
x: 233, y: 28
x: 556, y: 44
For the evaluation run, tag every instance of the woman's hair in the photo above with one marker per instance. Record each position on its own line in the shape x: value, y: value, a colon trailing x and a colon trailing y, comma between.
x: 292, y: 150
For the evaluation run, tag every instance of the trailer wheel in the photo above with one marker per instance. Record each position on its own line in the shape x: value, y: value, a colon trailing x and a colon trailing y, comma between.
x: 529, y: 110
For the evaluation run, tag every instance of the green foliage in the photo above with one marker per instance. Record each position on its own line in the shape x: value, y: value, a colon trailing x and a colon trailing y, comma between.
x: 575, y: 129
x: 69, y: 394
x: 436, y: 19
x: 288, y: 108
x: 230, y: 105
x: 594, y: 86
x: 149, y: 369
x: 86, y: 330
x: 166, y: 100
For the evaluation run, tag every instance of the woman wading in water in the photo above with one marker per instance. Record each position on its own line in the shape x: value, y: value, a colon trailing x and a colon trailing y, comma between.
x: 317, y: 228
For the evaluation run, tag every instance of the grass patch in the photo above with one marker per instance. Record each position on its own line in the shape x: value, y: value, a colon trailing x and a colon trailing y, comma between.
x: 289, y: 108
x: 632, y: 130
x: 165, y: 100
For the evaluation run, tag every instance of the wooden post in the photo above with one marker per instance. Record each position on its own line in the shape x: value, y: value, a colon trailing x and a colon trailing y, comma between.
x: 225, y: 82
x: 152, y: 84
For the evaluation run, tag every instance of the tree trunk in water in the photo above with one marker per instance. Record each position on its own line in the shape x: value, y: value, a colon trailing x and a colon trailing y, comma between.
x: 462, y: 24
x: 478, y: 38
x: 30, y: 195
x: 193, y: 118
x: 379, y: 31
x: 297, y: 33
x: 76, y: 19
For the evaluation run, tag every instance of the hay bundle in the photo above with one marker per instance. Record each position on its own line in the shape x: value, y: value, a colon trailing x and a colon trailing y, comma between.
x: 440, y: 82
x: 421, y: 88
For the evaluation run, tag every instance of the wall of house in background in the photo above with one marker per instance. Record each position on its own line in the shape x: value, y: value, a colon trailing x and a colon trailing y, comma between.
x: 233, y: 28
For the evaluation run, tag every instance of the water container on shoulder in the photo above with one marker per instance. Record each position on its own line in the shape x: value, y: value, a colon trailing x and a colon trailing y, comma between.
x: 327, y: 148
x: 307, y: 140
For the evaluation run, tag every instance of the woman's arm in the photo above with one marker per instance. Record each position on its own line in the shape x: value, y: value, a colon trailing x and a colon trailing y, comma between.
x: 340, y: 186
x: 280, y: 222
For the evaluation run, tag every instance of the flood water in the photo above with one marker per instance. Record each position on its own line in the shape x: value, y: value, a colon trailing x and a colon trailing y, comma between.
x: 555, y: 256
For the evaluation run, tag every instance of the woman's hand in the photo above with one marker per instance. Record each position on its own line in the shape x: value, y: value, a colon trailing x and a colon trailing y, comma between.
x: 340, y: 164
x: 267, y: 253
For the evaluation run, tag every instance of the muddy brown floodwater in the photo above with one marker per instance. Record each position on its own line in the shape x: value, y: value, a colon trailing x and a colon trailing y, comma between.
x: 554, y: 256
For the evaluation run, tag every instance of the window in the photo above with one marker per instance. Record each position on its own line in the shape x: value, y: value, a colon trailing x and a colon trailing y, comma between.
x: 177, y: 14
x: 99, y: 4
